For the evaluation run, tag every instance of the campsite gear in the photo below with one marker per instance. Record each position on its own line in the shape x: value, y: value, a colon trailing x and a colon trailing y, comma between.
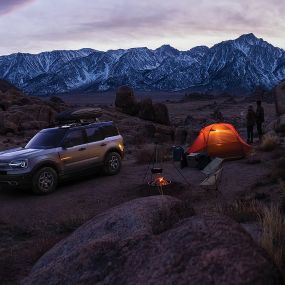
x: 192, y: 159
x: 155, y: 170
x: 183, y: 161
x: 213, y: 166
x: 79, y: 115
x: 212, y: 181
x: 203, y: 160
x: 220, y: 140
x: 177, y: 153
x: 156, y: 178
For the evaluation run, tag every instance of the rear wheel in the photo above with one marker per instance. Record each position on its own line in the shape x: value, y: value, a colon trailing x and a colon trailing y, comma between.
x: 112, y: 163
x: 44, y: 181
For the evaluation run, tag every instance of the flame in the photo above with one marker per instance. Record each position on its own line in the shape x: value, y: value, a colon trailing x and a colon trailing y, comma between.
x: 161, y: 181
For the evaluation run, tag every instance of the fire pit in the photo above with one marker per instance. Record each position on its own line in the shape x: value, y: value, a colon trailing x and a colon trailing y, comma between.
x: 159, y: 182
x: 174, y: 188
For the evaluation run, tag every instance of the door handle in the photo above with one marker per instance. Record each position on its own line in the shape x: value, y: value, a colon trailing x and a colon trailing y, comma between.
x: 103, y: 144
x: 81, y: 149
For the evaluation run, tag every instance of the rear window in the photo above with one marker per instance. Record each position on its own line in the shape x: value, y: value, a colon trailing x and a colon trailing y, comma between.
x: 110, y: 131
x: 94, y: 134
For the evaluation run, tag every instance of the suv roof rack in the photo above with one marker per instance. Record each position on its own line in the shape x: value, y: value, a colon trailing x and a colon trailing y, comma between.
x: 78, y: 117
x: 75, y: 123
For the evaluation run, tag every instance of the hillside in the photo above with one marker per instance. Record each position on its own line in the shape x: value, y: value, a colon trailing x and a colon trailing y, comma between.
x: 237, y: 66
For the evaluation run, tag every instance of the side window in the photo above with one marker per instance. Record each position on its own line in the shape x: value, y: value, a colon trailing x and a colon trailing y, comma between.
x: 94, y: 134
x: 110, y: 131
x: 74, y: 138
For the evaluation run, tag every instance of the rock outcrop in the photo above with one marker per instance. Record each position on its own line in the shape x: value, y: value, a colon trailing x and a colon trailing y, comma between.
x: 126, y: 101
x: 19, y: 112
x: 280, y: 99
x: 161, y: 115
x: 279, y: 125
x: 145, y: 109
x: 152, y: 241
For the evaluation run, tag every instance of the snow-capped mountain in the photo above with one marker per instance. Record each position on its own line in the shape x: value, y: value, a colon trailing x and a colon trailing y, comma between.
x: 236, y: 66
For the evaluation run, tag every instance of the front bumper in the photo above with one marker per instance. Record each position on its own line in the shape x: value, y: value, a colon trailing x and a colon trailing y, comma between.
x: 15, y: 179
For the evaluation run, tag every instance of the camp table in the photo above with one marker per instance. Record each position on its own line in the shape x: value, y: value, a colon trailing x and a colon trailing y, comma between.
x: 213, y: 166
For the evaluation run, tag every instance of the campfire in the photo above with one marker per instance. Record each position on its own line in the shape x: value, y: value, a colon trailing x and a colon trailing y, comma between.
x: 159, y: 182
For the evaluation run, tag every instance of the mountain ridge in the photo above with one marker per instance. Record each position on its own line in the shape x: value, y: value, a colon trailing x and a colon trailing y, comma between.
x: 235, y: 66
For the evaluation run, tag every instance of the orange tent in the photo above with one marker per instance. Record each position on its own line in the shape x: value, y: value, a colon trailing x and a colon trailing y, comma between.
x: 220, y: 140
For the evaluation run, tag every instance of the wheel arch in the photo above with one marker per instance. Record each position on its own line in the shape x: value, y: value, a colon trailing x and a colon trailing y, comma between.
x: 51, y: 164
x: 114, y: 149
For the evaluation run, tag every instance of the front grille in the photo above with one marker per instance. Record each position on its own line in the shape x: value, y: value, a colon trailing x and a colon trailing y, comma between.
x: 4, y: 165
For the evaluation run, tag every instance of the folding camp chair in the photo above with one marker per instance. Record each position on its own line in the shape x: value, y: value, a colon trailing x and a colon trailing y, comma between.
x: 213, y: 166
x: 212, y: 181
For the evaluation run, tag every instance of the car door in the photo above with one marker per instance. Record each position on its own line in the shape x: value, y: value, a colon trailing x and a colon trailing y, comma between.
x: 74, y: 155
x: 96, y: 144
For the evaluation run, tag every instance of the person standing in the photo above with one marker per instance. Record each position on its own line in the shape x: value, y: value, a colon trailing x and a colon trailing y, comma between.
x: 250, y: 122
x: 259, y: 114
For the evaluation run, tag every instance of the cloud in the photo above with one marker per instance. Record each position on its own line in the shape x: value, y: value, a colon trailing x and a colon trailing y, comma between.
x: 111, y: 24
x: 7, y: 6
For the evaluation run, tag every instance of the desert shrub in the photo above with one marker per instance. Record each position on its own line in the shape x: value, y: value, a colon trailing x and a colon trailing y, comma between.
x: 269, y: 142
x: 241, y: 211
x: 146, y: 153
x: 273, y: 235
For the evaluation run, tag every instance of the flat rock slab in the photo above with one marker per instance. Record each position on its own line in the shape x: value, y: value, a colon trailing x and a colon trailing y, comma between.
x: 151, y: 241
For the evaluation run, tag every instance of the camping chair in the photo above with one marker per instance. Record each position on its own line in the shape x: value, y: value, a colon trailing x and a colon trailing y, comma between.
x: 213, y: 166
x: 212, y: 181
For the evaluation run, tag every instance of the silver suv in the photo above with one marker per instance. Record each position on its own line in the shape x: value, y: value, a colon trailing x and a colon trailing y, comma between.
x: 55, y: 153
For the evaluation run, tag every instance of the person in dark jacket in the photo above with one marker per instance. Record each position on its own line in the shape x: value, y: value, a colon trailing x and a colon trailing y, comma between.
x: 259, y: 118
x: 250, y: 122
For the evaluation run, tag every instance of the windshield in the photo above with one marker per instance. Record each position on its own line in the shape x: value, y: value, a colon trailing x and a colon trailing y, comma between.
x: 47, y: 139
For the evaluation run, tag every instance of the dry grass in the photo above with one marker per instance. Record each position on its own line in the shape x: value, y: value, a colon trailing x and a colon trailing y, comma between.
x: 272, y: 223
x: 269, y: 142
x: 241, y: 211
x: 273, y: 235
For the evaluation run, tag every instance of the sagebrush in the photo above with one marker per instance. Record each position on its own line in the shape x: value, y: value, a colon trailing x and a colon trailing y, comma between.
x: 269, y: 142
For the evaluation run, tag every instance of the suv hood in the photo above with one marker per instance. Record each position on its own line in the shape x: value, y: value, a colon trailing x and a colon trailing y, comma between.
x: 18, y: 153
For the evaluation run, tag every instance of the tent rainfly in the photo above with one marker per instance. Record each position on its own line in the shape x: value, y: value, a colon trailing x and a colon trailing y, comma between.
x: 220, y: 140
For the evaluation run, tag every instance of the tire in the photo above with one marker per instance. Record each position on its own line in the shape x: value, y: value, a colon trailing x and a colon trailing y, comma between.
x: 112, y: 163
x: 44, y: 181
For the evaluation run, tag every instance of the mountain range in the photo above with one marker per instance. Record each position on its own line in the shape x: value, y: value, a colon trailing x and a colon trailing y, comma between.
x: 236, y: 66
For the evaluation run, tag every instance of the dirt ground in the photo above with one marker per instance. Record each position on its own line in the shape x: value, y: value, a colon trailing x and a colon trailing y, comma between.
x: 30, y: 225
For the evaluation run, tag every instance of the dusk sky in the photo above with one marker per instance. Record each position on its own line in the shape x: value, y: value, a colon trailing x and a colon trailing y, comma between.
x: 41, y: 25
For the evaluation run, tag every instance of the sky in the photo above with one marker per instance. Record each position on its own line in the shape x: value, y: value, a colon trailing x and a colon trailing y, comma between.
x: 42, y: 25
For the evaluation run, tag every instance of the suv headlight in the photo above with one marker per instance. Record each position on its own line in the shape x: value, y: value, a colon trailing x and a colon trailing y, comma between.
x: 21, y: 163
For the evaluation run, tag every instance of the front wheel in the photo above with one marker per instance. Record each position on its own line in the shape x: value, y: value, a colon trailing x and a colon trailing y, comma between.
x: 112, y: 163
x: 44, y: 181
